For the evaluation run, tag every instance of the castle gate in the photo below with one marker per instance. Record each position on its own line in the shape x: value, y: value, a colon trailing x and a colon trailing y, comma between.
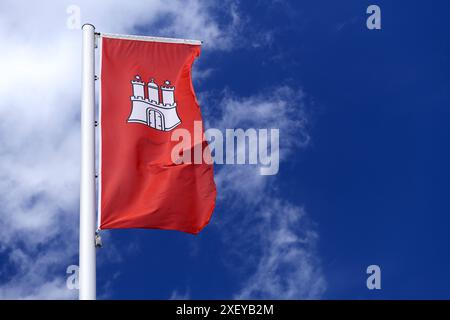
x: 155, y: 119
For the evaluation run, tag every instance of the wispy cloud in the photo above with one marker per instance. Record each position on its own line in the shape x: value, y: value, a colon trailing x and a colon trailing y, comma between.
x: 288, y: 267
x: 33, y: 273
x: 271, y: 241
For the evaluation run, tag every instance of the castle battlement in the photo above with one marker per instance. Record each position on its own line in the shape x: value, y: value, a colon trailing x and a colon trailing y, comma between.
x: 149, y: 109
x: 152, y: 83
x: 167, y: 87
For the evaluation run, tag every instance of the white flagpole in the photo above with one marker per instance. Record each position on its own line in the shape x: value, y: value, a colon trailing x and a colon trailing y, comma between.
x: 87, y: 277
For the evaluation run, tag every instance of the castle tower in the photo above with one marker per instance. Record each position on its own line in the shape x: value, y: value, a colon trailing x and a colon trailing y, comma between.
x: 167, y: 94
x: 153, y: 94
x: 138, y: 87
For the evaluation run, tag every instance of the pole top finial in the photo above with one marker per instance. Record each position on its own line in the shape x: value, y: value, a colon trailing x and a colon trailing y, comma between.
x: 88, y: 24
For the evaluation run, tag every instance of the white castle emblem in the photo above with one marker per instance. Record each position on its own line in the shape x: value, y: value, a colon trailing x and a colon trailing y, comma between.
x: 151, y: 111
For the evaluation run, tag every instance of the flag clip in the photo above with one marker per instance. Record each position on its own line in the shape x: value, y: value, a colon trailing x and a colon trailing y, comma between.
x: 98, y: 240
x: 96, y: 37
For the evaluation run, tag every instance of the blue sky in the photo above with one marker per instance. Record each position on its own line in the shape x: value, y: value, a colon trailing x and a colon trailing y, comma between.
x: 363, y: 178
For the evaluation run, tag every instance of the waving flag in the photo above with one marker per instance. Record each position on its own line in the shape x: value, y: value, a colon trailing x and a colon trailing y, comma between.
x: 146, y: 96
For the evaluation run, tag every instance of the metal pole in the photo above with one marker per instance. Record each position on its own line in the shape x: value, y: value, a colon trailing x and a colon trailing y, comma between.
x: 87, y: 277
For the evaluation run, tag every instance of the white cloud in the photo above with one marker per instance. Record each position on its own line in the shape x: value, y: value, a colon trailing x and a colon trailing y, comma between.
x: 39, y: 108
x: 32, y: 271
x: 271, y: 241
x: 288, y: 266
x: 281, y: 107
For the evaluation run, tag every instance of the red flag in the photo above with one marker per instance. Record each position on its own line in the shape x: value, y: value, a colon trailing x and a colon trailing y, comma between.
x: 146, y: 95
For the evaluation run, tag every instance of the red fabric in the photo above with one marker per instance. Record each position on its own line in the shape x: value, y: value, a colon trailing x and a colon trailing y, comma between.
x: 140, y: 185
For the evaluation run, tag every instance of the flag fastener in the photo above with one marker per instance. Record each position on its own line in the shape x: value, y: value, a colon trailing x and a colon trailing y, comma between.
x: 96, y: 37
x: 98, y: 240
